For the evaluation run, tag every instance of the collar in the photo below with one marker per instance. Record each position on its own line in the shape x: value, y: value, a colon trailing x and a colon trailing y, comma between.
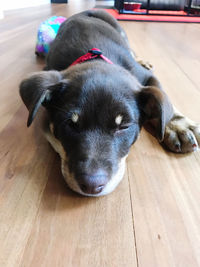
x: 92, y: 54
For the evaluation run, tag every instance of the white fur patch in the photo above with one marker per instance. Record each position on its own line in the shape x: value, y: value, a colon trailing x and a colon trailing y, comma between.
x: 118, y: 119
x: 115, y: 179
x: 55, y: 143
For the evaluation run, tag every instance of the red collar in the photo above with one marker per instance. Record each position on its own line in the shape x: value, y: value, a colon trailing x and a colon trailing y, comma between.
x: 92, y: 54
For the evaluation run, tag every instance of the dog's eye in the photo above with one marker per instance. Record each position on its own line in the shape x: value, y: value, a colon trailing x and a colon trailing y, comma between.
x: 74, y: 125
x: 122, y: 128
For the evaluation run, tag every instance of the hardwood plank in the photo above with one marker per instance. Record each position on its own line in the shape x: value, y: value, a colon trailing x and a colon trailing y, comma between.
x: 164, y: 205
x: 75, y: 231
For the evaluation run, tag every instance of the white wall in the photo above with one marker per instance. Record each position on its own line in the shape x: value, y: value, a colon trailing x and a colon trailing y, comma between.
x: 1, y: 13
x: 15, y: 4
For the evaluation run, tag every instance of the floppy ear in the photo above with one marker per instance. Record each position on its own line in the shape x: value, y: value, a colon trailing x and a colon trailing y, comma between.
x: 156, y: 110
x: 36, y: 90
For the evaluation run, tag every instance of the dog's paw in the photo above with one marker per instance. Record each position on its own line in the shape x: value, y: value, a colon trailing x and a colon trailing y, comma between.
x: 182, y: 135
x: 145, y: 64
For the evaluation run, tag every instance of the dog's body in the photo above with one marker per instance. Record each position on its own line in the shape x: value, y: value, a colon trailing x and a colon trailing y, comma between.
x: 95, y: 109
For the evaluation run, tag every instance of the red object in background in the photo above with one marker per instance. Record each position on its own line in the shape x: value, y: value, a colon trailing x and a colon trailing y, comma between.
x: 162, y: 16
x: 130, y: 6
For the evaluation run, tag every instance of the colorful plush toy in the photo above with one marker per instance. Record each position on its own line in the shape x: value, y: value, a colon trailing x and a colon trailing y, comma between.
x: 47, y: 33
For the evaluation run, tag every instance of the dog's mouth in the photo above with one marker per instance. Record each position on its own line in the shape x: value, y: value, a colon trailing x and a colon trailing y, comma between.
x: 96, y: 185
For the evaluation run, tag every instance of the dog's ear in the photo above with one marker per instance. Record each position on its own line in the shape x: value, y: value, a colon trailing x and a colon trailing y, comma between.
x: 37, y: 90
x: 156, y: 110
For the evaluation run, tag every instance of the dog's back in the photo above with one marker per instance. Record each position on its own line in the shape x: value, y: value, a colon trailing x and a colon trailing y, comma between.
x: 92, y: 29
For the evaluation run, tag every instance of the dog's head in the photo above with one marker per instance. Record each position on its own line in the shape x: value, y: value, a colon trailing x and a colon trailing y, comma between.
x: 95, y: 115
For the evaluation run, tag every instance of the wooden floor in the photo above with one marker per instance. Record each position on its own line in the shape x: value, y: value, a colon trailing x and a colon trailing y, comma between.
x: 153, y: 217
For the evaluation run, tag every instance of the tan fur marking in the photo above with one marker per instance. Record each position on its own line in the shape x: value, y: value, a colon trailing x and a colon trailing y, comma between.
x: 118, y: 119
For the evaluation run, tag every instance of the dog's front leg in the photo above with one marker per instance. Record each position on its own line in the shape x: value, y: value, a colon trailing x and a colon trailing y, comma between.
x: 178, y: 133
x: 182, y: 135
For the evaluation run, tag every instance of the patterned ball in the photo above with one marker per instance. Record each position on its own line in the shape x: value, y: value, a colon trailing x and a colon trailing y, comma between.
x: 46, y: 34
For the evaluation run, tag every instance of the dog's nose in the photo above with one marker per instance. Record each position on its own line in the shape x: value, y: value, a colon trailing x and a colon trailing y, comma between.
x: 93, y: 184
x: 88, y: 189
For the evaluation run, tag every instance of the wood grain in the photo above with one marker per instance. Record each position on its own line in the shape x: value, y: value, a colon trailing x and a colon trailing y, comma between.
x: 152, y: 219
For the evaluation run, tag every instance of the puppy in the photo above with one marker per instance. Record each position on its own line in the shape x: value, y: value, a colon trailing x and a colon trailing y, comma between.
x: 96, y: 103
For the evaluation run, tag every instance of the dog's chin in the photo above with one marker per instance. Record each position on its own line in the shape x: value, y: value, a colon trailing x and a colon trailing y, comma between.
x: 110, y: 186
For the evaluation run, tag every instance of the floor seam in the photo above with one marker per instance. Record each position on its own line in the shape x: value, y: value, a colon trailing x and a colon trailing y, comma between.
x: 133, y: 220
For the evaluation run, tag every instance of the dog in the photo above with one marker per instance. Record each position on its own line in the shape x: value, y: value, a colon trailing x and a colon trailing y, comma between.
x: 96, y: 102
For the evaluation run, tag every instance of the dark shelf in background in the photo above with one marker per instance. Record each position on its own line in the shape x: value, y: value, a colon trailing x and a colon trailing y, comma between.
x: 59, y: 1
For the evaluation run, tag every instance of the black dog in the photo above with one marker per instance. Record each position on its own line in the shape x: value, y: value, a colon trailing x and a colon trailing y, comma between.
x: 96, y: 107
